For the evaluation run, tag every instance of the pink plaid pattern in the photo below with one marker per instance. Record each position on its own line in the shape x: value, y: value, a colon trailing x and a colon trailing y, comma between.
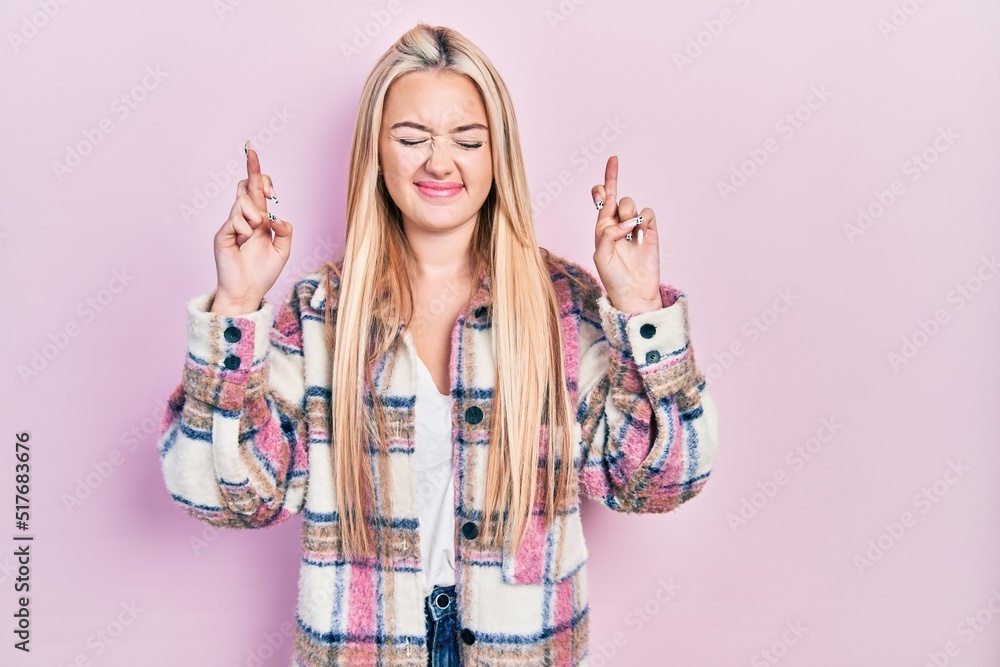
x: 245, y: 443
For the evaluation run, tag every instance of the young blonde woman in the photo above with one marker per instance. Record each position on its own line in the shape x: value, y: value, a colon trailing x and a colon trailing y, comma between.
x: 437, y: 399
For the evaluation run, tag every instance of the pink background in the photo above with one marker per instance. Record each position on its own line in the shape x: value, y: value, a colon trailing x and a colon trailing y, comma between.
x: 208, y: 598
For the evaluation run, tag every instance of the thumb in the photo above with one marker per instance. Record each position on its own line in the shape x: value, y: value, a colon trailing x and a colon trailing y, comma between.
x: 608, y: 234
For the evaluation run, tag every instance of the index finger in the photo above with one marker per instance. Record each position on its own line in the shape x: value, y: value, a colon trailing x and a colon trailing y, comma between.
x: 255, y: 184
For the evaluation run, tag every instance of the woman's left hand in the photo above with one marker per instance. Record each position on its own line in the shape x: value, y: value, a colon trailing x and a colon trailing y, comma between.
x: 627, y: 255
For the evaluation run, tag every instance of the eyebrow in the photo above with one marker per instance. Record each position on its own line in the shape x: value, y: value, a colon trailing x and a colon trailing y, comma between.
x: 424, y: 128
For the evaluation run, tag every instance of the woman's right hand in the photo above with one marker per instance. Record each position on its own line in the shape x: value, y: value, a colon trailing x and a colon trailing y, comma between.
x: 247, y: 260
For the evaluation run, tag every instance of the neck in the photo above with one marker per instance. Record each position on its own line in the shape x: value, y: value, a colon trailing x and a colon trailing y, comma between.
x: 441, y: 255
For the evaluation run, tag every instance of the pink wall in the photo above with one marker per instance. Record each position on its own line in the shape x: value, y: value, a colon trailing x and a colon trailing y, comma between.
x: 867, y: 484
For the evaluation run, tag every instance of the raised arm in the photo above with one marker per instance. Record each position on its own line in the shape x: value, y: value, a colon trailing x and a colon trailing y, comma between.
x: 233, y: 442
x: 648, y: 423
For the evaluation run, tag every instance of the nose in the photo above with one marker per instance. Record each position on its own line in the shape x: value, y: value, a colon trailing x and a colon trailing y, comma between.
x: 440, y: 161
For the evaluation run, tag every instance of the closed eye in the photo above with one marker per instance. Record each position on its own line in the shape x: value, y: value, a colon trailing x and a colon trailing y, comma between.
x: 469, y: 146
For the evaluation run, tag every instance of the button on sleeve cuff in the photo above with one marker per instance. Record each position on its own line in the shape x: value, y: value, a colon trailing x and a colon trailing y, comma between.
x: 657, y: 343
x: 224, y: 353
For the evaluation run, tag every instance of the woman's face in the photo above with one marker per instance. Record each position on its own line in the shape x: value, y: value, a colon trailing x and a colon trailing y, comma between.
x: 434, y: 149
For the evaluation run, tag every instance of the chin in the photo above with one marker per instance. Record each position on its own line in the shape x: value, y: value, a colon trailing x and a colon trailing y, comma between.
x: 442, y: 220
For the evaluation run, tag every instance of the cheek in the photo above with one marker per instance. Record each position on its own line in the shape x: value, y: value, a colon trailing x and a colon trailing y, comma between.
x: 484, y: 173
x: 399, y: 161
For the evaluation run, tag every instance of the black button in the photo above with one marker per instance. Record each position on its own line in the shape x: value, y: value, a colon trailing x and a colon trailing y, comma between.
x: 468, y: 636
x: 442, y: 600
x: 652, y: 357
x: 647, y: 330
x: 232, y: 362
x: 232, y: 334
x: 474, y: 415
x: 481, y: 312
x: 470, y: 530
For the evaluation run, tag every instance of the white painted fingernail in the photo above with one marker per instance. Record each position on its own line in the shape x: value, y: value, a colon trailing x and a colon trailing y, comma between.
x: 628, y: 237
x: 247, y: 147
x: 640, y: 237
x: 629, y: 224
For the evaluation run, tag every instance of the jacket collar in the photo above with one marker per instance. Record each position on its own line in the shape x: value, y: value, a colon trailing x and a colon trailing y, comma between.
x: 482, y: 298
x: 318, y: 300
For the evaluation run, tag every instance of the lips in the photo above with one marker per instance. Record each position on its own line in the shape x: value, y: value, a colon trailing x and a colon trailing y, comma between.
x: 439, y: 190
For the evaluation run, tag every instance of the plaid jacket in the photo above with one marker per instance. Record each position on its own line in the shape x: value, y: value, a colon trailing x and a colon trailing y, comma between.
x: 245, y: 444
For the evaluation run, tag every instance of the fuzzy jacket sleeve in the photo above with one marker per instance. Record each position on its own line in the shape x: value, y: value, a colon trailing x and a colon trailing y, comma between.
x: 649, y: 425
x: 232, y: 443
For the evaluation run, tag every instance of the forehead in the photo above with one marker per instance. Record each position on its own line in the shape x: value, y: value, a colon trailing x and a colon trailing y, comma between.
x: 440, y: 100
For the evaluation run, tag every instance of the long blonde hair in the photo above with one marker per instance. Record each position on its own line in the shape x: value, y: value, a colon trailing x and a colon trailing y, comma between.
x: 374, y: 299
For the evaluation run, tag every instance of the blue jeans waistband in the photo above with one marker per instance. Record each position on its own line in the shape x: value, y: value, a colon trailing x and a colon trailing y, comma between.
x: 441, y: 619
x: 440, y: 602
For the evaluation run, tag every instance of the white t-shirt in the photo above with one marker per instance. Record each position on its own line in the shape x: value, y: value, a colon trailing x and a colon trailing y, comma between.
x: 432, y: 459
